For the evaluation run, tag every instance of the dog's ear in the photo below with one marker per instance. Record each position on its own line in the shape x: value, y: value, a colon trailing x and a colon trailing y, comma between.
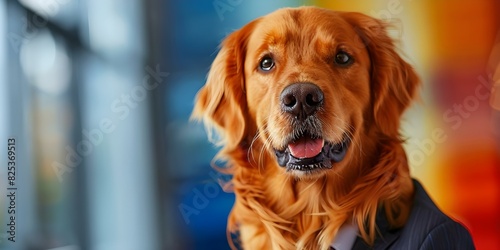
x: 221, y: 103
x: 393, y: 81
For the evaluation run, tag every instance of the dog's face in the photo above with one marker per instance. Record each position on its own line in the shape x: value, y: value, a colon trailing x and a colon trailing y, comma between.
x: 306, y: 87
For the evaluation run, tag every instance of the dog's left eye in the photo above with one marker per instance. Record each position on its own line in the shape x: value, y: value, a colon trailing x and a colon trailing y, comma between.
x: 266, y: 64
x: 343, y: 59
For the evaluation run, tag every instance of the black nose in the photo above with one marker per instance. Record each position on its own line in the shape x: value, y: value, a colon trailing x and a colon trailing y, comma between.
x: 301, y: 99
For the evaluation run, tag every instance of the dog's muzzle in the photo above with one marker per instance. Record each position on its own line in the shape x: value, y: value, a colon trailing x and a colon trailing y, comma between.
x: 307, y: 150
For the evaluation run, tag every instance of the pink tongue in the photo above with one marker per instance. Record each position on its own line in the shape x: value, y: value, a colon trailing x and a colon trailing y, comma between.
x: 306, y: 147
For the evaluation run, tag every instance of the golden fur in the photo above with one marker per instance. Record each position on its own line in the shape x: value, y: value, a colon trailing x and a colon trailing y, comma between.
x: 275, y: 209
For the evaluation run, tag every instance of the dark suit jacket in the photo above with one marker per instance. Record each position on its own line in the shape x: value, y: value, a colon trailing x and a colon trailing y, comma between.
x: 426, y: 228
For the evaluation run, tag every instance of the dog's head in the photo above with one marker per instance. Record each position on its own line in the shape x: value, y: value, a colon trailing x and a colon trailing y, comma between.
x: 312, y: 89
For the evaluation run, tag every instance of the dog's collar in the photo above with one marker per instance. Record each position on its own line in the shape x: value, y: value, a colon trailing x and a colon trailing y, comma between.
x: 346, y: 236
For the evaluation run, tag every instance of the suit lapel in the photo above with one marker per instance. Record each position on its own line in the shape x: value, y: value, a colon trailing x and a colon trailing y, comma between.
x: 385, y: 237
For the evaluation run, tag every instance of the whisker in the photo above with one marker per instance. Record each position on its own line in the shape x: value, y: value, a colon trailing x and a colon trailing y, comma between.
x: 348, y: 132
x: 250, y: 151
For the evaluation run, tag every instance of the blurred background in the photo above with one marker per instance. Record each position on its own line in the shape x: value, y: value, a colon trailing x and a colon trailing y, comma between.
x: 97, y: 95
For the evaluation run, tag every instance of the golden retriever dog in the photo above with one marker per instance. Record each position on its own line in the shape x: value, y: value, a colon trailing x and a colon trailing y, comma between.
x: 306, y: 104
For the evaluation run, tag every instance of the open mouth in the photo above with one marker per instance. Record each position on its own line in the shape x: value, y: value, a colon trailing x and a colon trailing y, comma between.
x: 308, y: 153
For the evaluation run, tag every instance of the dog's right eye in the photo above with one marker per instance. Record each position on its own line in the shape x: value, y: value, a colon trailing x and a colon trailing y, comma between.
x: 266, y: 64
